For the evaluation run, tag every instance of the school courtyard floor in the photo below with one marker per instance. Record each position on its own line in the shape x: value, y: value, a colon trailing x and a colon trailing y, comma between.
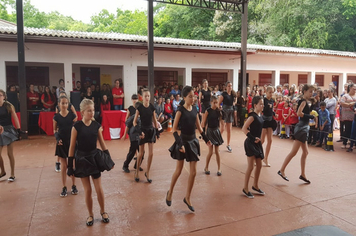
x: 31, y: 205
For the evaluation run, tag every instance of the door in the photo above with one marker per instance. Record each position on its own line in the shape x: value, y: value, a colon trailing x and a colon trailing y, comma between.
x: 89, y: 76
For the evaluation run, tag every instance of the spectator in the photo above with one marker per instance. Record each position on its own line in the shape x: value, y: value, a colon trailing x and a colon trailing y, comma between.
x: 168, y: 111
x: 159, y: 110
x: 13, y: 97
x: 118, y: 95
x: 48, y: 99
x: 175, y: 91
x: 175, y: 103
x: 61, y: 85
x: 32, y: 98
x: 104, y: 105
x: 324, y: 124
x: 89, y: 94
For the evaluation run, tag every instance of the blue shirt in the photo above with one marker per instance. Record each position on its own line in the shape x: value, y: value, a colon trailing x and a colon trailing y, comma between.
x: 324, y: 116
x: 175, y: 105
x: 174, y: 92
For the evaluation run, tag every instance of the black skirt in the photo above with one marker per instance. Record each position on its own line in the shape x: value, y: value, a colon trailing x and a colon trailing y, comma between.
x: 214, y: 136
x: 269, y: 122
x: 253, y: 149
x: 204, y: 107
x: 8, y: 136
x: 301, y: 131
x: 191, y: 146
x: 92, y: 163
x: 62, y: 150
x: 150, y: 136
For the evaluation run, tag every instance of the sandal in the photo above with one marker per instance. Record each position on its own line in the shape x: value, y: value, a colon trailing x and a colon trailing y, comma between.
x: 105, y: 219
x: 90, y: 223
x: 284, y: 177
x: 207, y: 172
x: 2, y: 175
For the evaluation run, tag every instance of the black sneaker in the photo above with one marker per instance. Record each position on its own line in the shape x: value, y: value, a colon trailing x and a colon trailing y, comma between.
x: 249, y: 194
x: 229, y: 148
x: 58, y: 167
x: 126, y: 169
x: 140, y: 168
x: 259, y: 191
x: 11, y: 179
x: 74, y: 190
x: 64, y: 192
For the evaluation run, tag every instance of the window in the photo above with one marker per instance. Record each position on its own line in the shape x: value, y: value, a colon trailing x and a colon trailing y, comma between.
x: 284, y: 79
x: 35, y: 75
x: 319, y: 79
x: 213, y: 78
x: 264, y: 79
x: 302, y: 79
x: 159, y: 77
x: 352, y: 78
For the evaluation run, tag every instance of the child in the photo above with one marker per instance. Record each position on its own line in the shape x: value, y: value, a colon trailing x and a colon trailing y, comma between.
x: 253, y: 146
x: 228, y: 98
x: 293, y: 119
x: 148, y: 130
x: 212, y: 117
x: 168, y: 111
x: 286, y: 111
x: 324, y: 124
x: 279, y: 107
x: 300, y: 134
x: 186, y: 146
x: 313, y: 123
x: 85, y: 135
x: 62, y: 127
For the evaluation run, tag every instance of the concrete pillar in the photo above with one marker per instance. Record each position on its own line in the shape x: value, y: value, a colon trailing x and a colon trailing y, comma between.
x: 129, y: 78
x: 276, y: 76
x: 68, y: 76
x: 235, y: 79
x: 188, y: 77
x: 311, y: 77
x: 3, y: 75
x: 342, y: 82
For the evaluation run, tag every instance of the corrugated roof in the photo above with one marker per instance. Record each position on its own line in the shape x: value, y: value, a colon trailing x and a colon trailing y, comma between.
x: 4, y: 23
x: 168, y: 41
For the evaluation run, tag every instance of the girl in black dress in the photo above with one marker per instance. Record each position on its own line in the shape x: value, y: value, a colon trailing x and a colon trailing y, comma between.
x: 186, y: 146
x: 204, y: 97
x: 62, y: 127
x: 301, y: 132
x: 269, y: 123
x: 253, y: 147
x: 8, y: 134
x: 212, y: 117
x: 147, y: 114
x: 228, y: 98
x: 85, y: 135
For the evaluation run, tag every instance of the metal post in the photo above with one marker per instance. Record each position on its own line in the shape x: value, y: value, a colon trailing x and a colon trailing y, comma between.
x: 244, y: 45
x: 150, y: 50
x: 21, y: 66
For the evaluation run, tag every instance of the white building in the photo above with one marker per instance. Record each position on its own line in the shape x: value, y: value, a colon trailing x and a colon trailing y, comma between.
x: 103, y: 57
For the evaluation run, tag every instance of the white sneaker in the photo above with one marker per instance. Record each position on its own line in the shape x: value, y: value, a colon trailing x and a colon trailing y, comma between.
x: 229, y: 148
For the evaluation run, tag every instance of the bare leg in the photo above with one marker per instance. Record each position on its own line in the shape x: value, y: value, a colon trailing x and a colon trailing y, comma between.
x: 64, y: 170
x: 192, y: 174
x: 250, y: 162
x: 99, y: 193
x: 222, y: 126
x: 303, y: 159
x: 10, y: 153
x: 289, y: 157
x: 269, y: 133
x: 235, y: 117
x: 257, y: 172
x: 175, y: 177
x: 263, y: 135
x: 228, y: 130
x: 149, y: 161
x: 87, y: 190
x: 139, y: 159
x: 1, y: 163
x: 217, y: 153
x: 208, y: 157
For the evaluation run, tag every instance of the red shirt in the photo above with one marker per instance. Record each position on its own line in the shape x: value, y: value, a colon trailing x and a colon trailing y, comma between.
x: 50, y: 102
x: 30, y: 101
x: 279, y: 110
x: 285, y: 112
x: 105, y: 107
x: 294, y: 117
x: 117, y: 91
x: 168, y: 108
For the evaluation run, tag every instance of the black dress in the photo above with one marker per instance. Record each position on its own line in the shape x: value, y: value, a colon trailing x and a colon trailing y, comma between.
x: 205, y: 101
x: 301, y: 130
x: 10, y: 134
x: 85, y: 163
x: 228, y: 109
x: 269, y: 122
x: 213, y: 131
x: 252, y: 148
x: 190, y: 142
x: 147, y: 128
x: 65, y: 125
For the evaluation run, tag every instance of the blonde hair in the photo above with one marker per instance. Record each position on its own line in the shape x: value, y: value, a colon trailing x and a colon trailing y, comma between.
x: 269, y: 88
x: 85, y: 103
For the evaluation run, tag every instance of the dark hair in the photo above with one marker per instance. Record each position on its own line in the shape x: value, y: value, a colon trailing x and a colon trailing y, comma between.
x: 322, y: 104
x: 186, y: 90
x: 78, y: 82
x: 213, y: 97
x: 6, y: 104
x: 134, y: 96
x: 145, y: 90
x: 61, y: 80
x: 137, y: 104
x: 117, y: 80
x: 306, y: 87
x: 102, y: 100
x: 349, y: 87
x: 256, y: 100
x: 62, y: 97
x: 204, y: 80
x: 51, y: 95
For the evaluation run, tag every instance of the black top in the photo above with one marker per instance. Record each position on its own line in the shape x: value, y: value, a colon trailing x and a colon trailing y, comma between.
x: 65, y: 125
x: 240, y: 102
x: 256, y: 125
x: 132, y: 110
x: 69, y: 107
x: 213, y: 117
x: 5, y: 116
x: 228, y: 99
x: 206, y: 96
x: 306, y: 110
x: 268, y: 107
x: 88, y: 97
x: 87, y: 135
x: 146, y: 114
x: 187, y: 120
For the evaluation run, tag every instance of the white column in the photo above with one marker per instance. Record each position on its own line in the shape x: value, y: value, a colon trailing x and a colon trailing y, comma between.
x: 3, y: 75
x: 311, y: 77
x: 235, y: 79
x: 188, y: 77
x: 342, y: 81
x: 68, y: 76
x: 276, y: 76
x: 129, y: 78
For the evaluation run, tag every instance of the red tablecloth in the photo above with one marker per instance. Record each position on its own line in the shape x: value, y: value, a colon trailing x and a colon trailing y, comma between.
x: 113, y: 119
x: 45, y: 121
x: 19, y: 117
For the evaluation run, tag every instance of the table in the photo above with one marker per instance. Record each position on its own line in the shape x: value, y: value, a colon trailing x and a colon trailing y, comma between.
x: 19, y: 117
x: 113, y: 119
x: 45, y: 121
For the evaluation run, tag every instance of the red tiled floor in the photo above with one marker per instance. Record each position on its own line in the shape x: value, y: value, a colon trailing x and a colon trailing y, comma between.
x: 32, y: 206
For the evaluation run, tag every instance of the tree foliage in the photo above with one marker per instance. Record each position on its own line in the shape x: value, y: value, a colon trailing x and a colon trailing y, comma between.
x: 324, y: 24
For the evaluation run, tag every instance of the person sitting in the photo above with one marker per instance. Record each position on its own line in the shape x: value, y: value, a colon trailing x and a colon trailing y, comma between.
x: 168, y: 111
x: 104, y: 105
x: 175, y: 103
